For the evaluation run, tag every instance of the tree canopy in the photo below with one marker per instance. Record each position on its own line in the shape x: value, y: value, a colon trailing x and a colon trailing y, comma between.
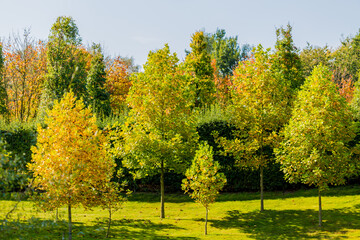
x: 159, y: 133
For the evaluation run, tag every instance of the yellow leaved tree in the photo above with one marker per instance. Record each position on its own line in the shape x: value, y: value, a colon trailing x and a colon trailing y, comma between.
x: 70, y: 162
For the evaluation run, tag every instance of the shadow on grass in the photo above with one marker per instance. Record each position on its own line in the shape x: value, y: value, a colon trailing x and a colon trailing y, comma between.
x: 36, y: 228
x: 145, y: 229
x: 245, y: 196
x: 291, y: 224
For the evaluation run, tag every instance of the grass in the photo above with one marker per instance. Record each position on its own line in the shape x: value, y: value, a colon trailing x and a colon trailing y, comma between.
x: 290, y: 215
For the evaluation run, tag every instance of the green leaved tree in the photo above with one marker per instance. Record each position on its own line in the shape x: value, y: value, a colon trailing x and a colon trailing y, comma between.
x: 346, y: 59
x: 203, y: 180
x: 198, y: 65
x: 260, y: 107
x: 159, y: 135
x: 70, y: 163
x: 3, y: 94
x: 286, y: 59
x: 311, y: 56
x: 226, y: 51
x: 65, y: 62
x: 316, y: 148
x: 97, y: 97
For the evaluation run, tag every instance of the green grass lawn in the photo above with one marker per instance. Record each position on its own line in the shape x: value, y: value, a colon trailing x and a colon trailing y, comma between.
x: 291, y: 215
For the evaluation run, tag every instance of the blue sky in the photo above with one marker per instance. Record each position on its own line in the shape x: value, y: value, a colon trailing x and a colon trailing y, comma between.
x: 134, y: 27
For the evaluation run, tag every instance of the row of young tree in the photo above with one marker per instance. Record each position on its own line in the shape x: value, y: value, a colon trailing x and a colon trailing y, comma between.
x: 273, y: 106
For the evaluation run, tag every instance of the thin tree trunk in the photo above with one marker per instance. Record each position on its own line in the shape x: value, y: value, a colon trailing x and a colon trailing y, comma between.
x: 261, y: 188
x: 162, y: 189
x: 57, y: 215
x: 320, y: 210
x: 206, y: 219
x: 70, y: 226
x: 109, y: 222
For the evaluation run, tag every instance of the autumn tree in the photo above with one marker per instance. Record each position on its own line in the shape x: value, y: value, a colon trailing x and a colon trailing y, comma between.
x: 260, y: 106
x: 118, y: 82
x: 97, y: 96
x: 25, y: 70
x: 70, y: 163
x: 65, y: 62
x: 316, y: 149
x: 198, y: 63
x: 203, y: 180
x: 159, y: 135
x: 346, y: 89
x: 3, y: 94
x: 222, y: 85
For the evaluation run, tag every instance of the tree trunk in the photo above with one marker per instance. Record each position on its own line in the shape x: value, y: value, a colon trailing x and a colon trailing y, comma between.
x: 109, y: 222
x: 70, y: 226
x: 261, y: 188
x: 320, y: 210
x: 206, y: 219
x: 57, y: 215
x: 162, y: 190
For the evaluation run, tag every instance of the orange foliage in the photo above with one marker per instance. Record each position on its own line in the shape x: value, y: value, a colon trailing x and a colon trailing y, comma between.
x: 86, y: 55
x: 346, y: 89
x: 25, y: 71
x: 222, y: 85
x: 117, y: 83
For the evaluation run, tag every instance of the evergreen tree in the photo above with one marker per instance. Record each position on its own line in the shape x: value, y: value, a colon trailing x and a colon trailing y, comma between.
x: 97, y: 97
x: 65, y: 62
x: 198, y: 64
x: 3, y: 94
x: 286, y: 58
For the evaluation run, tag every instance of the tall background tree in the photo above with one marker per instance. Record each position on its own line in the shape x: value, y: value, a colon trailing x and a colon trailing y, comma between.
x: 346, y: 62
x: 66, y: 62
x: 97, y: 96
x: 286, y: 60
x: 316, y: 149
x: 118, y: 82
x: 159, y: 135
x: 198, y: 63
x: 226, y: 51
x: 226, y: 54
x: 3, y: 94
x: 25, y: 71
x: 311, y: 56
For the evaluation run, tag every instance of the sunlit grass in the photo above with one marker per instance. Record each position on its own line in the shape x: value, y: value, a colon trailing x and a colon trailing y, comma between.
x: 291, y: 215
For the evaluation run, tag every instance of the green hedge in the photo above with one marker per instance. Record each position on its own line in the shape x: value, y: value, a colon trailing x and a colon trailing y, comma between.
x: 17, y: 141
